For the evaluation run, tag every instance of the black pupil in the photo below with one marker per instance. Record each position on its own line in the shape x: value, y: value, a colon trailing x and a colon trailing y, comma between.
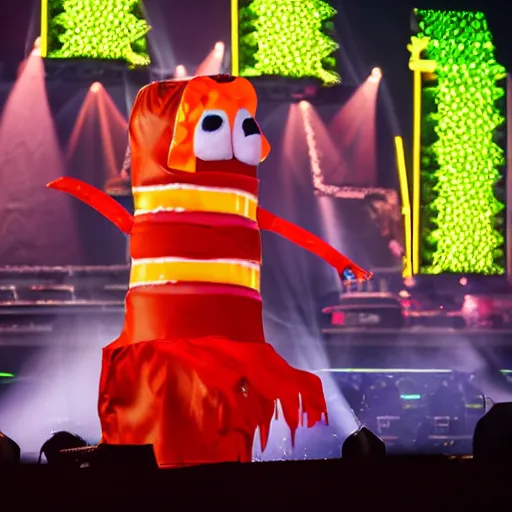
x: 212, y: 123
x: 250, y: 127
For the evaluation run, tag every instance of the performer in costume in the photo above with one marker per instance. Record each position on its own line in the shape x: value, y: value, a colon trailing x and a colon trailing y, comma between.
x: 191, y: 372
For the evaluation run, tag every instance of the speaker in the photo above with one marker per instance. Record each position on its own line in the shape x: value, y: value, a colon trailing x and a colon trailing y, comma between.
x: 10, y: 452
x: 363, y: 443
x: 493, y: 434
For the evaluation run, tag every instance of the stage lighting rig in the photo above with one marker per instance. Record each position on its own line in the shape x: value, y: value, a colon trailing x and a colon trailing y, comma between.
x: 283, y: 89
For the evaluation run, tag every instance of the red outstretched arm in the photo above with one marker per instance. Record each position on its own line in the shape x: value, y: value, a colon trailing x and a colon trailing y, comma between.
x: 96, y: 199
x: 270, y: 222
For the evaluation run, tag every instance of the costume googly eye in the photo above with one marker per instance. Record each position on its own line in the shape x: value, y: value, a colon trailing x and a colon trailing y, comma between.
x: 212, y: 137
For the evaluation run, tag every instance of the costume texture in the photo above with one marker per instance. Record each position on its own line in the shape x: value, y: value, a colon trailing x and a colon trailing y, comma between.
x: 191, y: 372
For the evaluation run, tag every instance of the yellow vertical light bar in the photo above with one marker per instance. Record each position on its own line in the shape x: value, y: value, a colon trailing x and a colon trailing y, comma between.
x: 406, y: 204
x: 418, y: 66
x: 235, y: 54
x: 44, y: 28
x: 416, y: 173
x: 508, y: 233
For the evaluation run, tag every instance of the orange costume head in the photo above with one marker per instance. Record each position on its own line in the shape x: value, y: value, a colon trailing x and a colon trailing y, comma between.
x: 205, y: 124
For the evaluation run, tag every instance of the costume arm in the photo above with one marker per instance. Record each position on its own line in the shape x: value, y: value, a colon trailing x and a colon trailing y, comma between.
x: 347, y: 270
x: 96, y: 199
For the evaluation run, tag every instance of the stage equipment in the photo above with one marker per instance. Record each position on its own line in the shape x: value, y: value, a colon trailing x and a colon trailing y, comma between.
x: 112, y: 31
x: 49, y: 306
x: 59, y: 441
x: 193, y: 337
x: 106, y: 456
x: 493, y: 434
x: 9, y: 451
x: 367, y: 310
x: 363, y: 444
x: 459, y: 142
x: 284, y: 38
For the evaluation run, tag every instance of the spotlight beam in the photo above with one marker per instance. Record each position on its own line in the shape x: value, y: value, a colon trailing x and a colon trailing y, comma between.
x: 212, y: 64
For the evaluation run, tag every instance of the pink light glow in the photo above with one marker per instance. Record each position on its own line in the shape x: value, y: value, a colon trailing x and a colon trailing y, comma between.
x: 317, y: 137
x: 99, y: 137
x: 353, y: 129
x: 36, y: 223
x: 212, y: 64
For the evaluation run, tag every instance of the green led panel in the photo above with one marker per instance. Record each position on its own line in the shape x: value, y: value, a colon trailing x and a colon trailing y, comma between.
x: 97, y: 29
x: 287, y: 38
x: 462, y: 157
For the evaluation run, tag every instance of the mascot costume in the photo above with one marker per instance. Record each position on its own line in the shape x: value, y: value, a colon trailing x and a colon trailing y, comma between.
x: 191, y: 372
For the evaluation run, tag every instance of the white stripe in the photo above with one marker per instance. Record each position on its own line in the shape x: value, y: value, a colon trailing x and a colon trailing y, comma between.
x: 184, y: 186
x: 151, y: 283
x: 243, y: 263
x: 159, y: 210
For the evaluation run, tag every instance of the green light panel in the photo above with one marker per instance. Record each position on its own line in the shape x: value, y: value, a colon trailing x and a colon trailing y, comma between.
x: 462, y: 222
x: 287, y: 38
x: 98, y: 29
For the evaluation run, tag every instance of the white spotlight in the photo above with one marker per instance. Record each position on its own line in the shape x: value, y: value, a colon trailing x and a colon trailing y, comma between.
x: 219, y: 48
x: 36, y: 49
x: 95, y: 87
x: 180, y: 71
x: 375, y: 75
x: 304, y: 105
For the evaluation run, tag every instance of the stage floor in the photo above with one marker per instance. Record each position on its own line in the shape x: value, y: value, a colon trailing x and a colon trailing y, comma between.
x: 393, y: 483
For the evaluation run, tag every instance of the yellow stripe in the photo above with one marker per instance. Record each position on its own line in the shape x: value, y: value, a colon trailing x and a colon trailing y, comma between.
x: 162, y: 271
x: 199, y: 199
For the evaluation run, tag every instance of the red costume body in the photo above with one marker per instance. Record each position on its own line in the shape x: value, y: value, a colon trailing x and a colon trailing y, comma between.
x: 191, y: 373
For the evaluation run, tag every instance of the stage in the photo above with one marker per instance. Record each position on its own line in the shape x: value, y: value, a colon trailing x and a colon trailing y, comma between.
x: 392, y: 483
x: 41, y: 299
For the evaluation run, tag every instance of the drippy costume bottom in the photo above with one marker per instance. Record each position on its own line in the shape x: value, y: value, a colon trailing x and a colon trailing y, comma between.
x: 201, y: 400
